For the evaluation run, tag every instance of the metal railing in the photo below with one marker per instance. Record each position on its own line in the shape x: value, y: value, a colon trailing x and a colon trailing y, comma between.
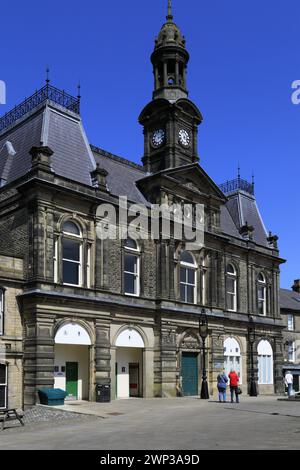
x: 48, y: 92
x: 236, y: 185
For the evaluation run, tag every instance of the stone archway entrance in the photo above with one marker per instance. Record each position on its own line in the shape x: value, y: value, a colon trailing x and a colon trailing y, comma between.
x: 71, y: 363
x: 129, y: 364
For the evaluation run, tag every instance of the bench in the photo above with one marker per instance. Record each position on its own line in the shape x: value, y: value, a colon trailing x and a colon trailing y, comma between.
x: 11, y: 415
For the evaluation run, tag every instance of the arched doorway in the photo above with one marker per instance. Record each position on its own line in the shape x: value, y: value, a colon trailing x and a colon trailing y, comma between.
x: 129, y: 364
x: 71, y: 363
x: 232, y: 357
x: 265, y: 363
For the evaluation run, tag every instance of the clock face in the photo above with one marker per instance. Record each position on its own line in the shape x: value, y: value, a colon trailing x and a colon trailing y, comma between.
x: 184, y: 138
x: 158, y: 138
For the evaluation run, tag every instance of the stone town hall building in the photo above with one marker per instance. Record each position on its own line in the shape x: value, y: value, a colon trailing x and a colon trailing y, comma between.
x: 76, y: 310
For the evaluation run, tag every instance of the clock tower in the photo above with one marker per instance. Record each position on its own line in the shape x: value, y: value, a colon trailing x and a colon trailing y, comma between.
x: 170, y: 120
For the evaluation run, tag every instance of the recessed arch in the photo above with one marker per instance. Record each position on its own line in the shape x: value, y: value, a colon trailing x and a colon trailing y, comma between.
x: 72, y: 333
x: 130, y: 338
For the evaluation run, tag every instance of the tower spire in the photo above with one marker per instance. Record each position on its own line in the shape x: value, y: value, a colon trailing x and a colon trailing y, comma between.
x: 170, y: 16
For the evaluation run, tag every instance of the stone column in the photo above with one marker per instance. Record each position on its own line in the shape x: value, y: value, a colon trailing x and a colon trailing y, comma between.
x: 113, y: 360
x: 278, y: 361
x: 216, y: 363
x: 38, y: 357
x: 168, y: 361
x: 102, y: 352
x: 148, y: 373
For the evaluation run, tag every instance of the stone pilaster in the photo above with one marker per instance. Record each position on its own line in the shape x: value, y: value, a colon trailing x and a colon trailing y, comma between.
x: 278, y: 361
x: 168, y: 361
x: 102, y: 352
x: 38, y: 357
x: 216, y: 363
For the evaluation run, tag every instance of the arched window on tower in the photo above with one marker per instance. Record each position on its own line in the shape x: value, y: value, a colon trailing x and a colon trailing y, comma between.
x: 71, y: 254
x: 188, y: 278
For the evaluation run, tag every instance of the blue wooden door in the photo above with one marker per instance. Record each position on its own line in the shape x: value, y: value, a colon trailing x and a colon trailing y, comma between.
x: 189, y: 373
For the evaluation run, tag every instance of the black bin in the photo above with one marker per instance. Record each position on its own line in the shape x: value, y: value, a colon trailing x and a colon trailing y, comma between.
x: 102, y: 393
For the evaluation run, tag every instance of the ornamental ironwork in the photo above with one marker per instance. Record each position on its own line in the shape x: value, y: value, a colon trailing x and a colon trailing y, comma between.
x: 236, y: 185
x: 47, y: 93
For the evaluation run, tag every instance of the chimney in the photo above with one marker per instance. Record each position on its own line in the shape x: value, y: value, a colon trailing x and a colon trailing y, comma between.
x: 296, y: 286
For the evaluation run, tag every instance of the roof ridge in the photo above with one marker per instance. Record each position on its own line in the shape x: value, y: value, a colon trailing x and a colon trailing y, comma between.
x: 116, y: 158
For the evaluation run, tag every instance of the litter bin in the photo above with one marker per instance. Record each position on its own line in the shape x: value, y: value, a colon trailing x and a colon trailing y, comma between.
x: 52, y: 396
x: 102, y: 393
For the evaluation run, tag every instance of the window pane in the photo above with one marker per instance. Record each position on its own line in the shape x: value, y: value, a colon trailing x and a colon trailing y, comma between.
x: 130, y: 263
x: 230, y: 301
x: 2, y: 397
x: 261, y: 307
x: 230, y: 285
x: 190, y: 294
x: 186, y: 257
x: 71, y: 250
x: 191, y: 276
x: 70, y: 227
x: 70, y: 273
x: 261, y: 292
x: 129, y: 243
x: 183, y: 274
x: 290, y: 322
x: 2, y: 374
x: 130, y: 283
x: 182, y: 293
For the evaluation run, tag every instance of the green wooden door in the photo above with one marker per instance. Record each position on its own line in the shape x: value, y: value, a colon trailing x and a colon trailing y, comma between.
x: 72, y: 379
x: 189, y: 373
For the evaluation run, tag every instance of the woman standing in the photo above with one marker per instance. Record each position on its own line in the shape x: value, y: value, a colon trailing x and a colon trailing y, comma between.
x: 222, y: 380
x: 234, y: 382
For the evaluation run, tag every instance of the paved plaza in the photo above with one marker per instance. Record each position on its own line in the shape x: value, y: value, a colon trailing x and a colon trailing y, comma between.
x: 164, y: 424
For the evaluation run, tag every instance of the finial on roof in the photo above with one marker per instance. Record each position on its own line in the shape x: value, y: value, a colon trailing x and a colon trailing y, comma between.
x: 47, y: 76
x: 239, y: 171
x: 78, y: 91
x: 170, y: 16
x: 253, y: 181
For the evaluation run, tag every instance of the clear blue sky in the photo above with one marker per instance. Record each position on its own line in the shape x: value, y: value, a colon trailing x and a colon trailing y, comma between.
x: 244, y: 58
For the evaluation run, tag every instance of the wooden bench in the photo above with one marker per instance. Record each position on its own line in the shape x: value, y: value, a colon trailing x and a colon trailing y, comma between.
x: 10, y: 415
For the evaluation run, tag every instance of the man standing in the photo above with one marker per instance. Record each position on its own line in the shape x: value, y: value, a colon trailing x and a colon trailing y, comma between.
x: 288, y: 380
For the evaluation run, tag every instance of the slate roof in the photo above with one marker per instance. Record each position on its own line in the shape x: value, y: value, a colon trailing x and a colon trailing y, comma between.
x: 243, y: 209
x: 289, y: 300
x: 52, y: 125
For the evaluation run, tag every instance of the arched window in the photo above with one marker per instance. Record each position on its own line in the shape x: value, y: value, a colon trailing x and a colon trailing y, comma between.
x: 188, y: 278
x: 1, y: 311
x: 265, y: 362
x: 71, y: 254
x: 261, y: 294
x: 3, y: 386
x: 232, y: 357
x: 231, y: 288
x: 131, y: 267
